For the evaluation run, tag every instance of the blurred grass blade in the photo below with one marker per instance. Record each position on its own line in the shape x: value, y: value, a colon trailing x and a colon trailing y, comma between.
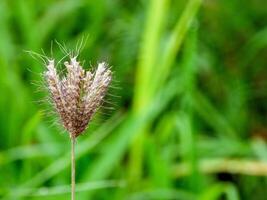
x: 174, y: 42
x: 31, y: 152
x: 162, y: 194
x: 253, y: 46
x: 212, y: 116
x: 148, y: 54
x: 65, y: 189
x: 50, y: 19
x: 30, y: 126
x: 149, y: 51
x: 216, y: 191
x: 223, y: 165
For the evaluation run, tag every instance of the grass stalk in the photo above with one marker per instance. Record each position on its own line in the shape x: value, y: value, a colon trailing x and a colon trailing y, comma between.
x: 73, y: 170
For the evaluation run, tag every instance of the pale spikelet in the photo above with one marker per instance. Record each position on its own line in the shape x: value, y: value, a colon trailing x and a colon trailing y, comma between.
x: 78, y: 95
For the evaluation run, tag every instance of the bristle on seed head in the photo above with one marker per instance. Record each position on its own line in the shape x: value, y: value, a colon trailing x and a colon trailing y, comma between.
x: 78, y: 94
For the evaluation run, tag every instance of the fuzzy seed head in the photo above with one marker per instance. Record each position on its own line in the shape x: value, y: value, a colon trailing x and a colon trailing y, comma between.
x: 77, y: 95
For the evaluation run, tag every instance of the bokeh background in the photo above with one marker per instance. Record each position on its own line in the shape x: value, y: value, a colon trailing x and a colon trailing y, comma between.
x: 186, y: 115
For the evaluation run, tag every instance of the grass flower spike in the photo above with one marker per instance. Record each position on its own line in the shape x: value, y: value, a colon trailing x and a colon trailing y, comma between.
x: 76, y: 98
x: 78, y: 95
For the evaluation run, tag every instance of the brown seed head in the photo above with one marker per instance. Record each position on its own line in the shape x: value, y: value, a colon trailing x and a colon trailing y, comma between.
x: 78, y: 95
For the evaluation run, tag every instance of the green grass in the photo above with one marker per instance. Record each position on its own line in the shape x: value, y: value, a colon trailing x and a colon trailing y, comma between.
x: 189, y: 97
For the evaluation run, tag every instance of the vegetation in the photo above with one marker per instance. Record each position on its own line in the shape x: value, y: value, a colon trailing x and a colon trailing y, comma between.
x: 186, y: 115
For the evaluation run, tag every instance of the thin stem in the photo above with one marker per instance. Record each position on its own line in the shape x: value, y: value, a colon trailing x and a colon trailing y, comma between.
x: 73, y: 168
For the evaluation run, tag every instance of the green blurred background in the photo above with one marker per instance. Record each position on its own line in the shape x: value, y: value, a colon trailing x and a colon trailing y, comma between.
x: 186, y: 115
